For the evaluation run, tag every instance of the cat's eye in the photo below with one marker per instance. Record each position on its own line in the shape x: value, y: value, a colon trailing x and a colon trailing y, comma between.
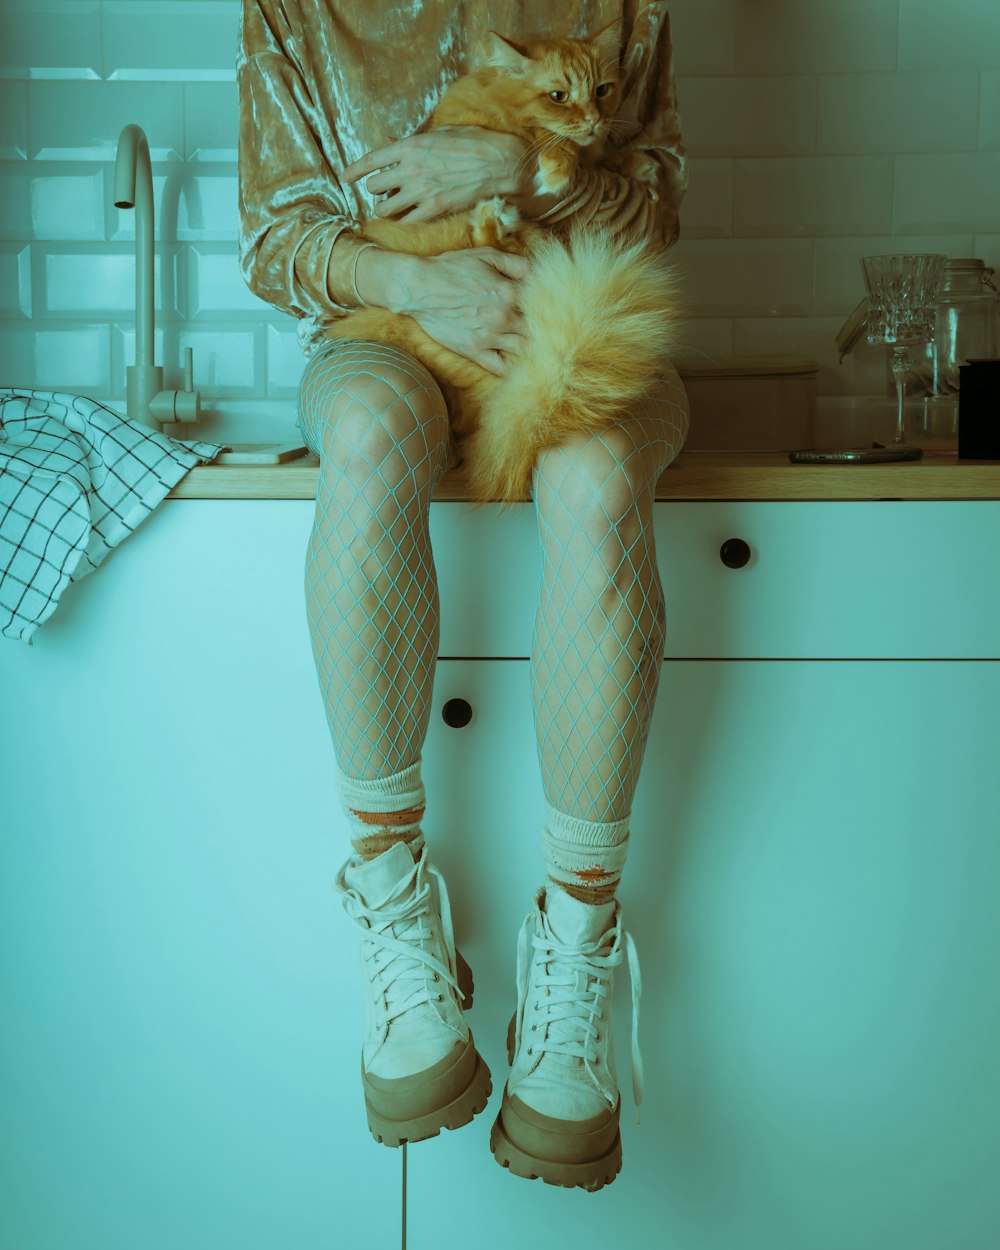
x: 604, y: 88
x: 560, y: 97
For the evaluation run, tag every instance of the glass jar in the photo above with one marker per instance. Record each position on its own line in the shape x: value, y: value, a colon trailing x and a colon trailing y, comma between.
x: 967, y: 325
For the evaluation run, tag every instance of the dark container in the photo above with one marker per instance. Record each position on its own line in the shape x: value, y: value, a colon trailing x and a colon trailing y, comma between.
x: 979, y: 410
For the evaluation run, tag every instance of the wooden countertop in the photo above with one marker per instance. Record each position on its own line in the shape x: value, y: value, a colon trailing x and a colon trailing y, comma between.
x: 694, y: 475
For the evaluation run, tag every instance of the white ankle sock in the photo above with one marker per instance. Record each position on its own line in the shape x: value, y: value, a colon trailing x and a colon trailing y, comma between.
x: 400, y: 795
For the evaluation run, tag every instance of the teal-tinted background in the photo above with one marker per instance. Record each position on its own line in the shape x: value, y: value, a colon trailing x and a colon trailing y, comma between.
x: 179, y: 1007
x: 811, y: 885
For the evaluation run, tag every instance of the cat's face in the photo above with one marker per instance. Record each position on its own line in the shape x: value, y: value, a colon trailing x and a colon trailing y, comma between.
x: 568, y: 86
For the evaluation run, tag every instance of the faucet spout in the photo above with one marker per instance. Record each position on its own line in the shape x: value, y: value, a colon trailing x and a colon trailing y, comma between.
x: 147, y: 401
x: 134, y: 189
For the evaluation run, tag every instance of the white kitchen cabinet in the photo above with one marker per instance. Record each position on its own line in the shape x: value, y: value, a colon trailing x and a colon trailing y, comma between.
x: 811, y: 885
x: 824, y: 579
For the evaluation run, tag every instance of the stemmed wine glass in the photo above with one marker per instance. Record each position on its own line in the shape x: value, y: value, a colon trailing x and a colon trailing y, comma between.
x: 902, y: 295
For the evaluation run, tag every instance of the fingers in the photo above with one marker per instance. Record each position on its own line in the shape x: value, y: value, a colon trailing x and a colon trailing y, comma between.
x: 378, y: 158
x: 378, y: 184
x: 512, y: 343
x: 493, y: 358
x: 404, y: 208
x: 399, y: 199
x: 394, y: 205
x: 507, y: 262
x: 422, y: 212
x: 492, y: 361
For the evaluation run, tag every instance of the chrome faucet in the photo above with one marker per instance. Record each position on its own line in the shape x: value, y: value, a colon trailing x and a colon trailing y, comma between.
x: 147, y: 401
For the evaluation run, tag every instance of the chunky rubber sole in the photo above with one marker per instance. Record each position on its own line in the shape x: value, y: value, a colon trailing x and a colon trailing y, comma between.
x: 574, y: 1154
x: 446, y: 1095
x: 590, y: 1176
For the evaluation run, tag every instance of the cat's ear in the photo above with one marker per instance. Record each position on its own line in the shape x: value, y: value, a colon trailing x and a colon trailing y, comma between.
x: 607, y: 42
x: 505, y: 54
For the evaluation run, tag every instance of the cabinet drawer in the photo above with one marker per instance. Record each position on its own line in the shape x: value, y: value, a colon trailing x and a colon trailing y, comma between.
x: 828, y: 579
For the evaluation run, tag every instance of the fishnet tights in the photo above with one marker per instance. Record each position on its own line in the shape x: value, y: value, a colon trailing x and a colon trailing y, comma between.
x: 377, y: 421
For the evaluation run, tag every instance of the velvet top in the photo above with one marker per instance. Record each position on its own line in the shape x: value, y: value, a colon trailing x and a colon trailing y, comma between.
x: 321, y: 82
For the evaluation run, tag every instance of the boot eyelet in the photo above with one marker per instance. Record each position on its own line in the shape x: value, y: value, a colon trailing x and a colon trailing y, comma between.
x: 437, y: 976
x: 440, y: 998
x: 531, y: 1050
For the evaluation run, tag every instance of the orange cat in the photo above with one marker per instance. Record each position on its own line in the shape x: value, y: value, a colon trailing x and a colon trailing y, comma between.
x: 600, y: 310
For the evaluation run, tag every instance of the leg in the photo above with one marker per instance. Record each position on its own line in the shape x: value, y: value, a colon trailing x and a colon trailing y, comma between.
x: 599, y: 634
x: 377, y: 421
x: 595, y: 665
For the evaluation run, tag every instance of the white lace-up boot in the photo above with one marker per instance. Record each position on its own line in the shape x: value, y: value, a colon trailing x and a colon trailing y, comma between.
x: 560, y: 1111
x: 419, y: 1066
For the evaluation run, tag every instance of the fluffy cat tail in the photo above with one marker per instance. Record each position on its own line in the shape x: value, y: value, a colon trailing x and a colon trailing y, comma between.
x: 601, y: 316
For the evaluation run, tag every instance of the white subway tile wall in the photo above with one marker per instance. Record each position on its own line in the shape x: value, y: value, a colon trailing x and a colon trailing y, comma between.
x: 816, y: 134
x: 15, y: 280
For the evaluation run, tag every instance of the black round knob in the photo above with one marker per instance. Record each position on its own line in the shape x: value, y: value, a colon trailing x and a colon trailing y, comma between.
x: 735, y: 553
x: 456, y: 713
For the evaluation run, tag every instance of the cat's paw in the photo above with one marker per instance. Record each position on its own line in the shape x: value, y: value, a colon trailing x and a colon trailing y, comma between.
x: 493, y: 221
x: 554, y: 173
x: 643, y: 168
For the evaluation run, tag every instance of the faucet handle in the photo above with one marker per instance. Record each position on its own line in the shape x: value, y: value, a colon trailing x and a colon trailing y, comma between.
x: 169, y: 407
x: 187, y: 403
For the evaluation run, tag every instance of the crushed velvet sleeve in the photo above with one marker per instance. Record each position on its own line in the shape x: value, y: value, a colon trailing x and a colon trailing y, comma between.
x: 648, y: 118
x: 292, y: 208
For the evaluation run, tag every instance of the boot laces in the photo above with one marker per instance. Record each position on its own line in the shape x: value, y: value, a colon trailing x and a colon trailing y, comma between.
x: 572, y: 988
x: 394, y: 948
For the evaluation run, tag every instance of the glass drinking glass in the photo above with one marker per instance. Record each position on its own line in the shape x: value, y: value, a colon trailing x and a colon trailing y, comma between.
x: 902, y: 307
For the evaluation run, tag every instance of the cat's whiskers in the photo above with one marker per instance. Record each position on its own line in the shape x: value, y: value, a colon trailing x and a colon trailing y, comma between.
x: 617, y: 127
x: 554, y: 142
x: 533, y: 147
x: 537, y: 149
x: 533, y: 150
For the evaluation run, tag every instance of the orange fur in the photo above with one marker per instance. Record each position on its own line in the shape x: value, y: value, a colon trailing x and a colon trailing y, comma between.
x: 601, y: 312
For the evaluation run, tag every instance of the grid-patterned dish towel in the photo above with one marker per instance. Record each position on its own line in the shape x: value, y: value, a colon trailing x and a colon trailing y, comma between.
x: 75, y: 480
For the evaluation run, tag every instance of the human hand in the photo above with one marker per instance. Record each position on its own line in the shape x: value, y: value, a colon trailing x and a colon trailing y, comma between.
x: 440, y: 171
x: 467, y: 301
